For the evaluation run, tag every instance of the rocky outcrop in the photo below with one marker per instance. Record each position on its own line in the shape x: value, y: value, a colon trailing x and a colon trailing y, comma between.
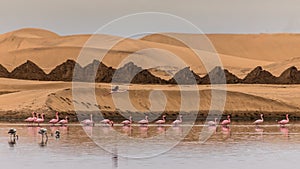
x: 126, y: 73
x: 145, y: 77
x: 220, y: 76
x: 98, y: 72
x: 130, y: 73
x: 65, y: 72
x: 3, y: 72
x: 259, y: 76
x: 28, y: 71
x: 185, y: 76
x: 289, y: 76
x: 104, y: 73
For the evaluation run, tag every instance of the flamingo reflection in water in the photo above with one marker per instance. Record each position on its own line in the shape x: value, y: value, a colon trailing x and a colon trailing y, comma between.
x: 161, y: 130
x: 143, y: 131
x: 127, y: 130
x: 285, y: 131
x: 226, y: 131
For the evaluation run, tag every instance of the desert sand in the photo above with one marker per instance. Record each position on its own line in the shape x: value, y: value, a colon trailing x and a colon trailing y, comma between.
x: 238, y: 53
x: 20, y: 97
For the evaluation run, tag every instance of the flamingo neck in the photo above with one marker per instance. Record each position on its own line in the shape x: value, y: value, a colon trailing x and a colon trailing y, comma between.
x: 287, y: 118
x: 262, y: 118
x: 91, y: 117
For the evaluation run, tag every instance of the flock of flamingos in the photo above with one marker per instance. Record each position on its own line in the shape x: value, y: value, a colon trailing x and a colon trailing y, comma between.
x: 36, y: 118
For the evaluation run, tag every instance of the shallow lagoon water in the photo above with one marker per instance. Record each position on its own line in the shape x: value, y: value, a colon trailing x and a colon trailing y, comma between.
x: 242, y: 145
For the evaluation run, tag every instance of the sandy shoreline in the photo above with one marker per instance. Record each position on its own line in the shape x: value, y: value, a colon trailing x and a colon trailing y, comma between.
x: 244, y: 102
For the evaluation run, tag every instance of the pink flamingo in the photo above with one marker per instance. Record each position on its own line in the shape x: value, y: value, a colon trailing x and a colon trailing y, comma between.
x: 54, y: 121
x: 284, y: 121
x: 127, y: 122
x: 107, y: 121
x: 212, y: 123
x: 259, y: 121
x: 226, y: 122
x: 64, y: 121
x: 162, y: 121
x: 88, y: 121
x: 144, y: 121
x: 178, y: 121
x: 40, y: 120
x: 31, y: 119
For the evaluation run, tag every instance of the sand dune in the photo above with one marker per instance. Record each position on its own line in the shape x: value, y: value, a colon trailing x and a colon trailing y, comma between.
x: 268, y: 47
x: 238, y: 53
x: 19, y: 46
x: 242, y: 100
x: 278, y: 67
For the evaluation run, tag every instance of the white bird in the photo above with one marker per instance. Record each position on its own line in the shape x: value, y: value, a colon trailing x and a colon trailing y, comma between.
x: 178, y: 121
x: 144, y: 121
x: 259, y: 121
x: 213, y: 123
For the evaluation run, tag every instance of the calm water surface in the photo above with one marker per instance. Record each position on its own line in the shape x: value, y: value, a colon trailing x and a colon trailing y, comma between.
x: 242, y: 145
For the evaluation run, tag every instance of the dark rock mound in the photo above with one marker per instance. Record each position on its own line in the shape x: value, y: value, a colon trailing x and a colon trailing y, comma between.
x: 3, y: 72
x: 259, y: 76
x: 145, y: 77
x: 219, y: 76
x: 126, y: 73
x: 65, y: 72
x: 29, y: 71
x: 98, y: 72
x: 289, y: 76
x: 130, y: 73
x: 185, y: 76
x: 104, y: 73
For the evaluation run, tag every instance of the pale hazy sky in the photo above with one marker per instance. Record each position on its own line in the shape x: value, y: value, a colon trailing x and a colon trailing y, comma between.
x: 212, y: 16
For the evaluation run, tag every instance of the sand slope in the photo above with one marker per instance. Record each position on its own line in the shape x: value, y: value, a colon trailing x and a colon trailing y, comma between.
x: 268, y: 47
x: 38, y: 45
x: 49, y: 97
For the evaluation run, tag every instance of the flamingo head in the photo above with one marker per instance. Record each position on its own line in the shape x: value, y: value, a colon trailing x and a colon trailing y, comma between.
x: 111, y: 123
